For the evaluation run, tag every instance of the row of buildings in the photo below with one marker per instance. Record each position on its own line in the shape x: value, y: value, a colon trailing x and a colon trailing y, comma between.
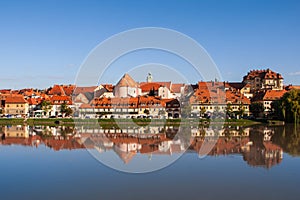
x: 151, y: 99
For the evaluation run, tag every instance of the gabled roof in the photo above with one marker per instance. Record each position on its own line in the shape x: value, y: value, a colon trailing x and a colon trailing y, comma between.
x: 61, y: 90
x: 56, y: 90
x: 83, y: 90
x: 69, y: 89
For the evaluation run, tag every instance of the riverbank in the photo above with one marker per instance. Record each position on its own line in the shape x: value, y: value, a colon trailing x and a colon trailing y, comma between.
x: 116, y: 122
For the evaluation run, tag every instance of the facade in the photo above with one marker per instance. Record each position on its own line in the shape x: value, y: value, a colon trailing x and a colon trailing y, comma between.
x: 173, y: 108
x: 56, y: 102
x: 267, y: 98
x: 213, y: 97
x: 127, y: 87
x: 264, y: 80
x: 242, y: 88
x: 134, y: 107
x: 14, y: 105
x: 209, y: 97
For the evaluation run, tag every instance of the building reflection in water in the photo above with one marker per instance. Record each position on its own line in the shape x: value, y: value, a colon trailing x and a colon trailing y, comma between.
x: 253, y: 143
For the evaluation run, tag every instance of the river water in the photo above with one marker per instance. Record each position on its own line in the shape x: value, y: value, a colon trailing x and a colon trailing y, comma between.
x: 43, y: 162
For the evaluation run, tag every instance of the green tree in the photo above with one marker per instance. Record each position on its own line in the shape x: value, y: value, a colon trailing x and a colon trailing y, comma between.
x: 65, y: 109
x: 162, y: 112
x: 290, y: 106
x: 241, y: 109
x: 146, y: 111
x: 202, y: 111
x: 186, y: 111
x: 257, y: 108
x: 46, y: 106
x: 229, y: 109
x: 276, y: 110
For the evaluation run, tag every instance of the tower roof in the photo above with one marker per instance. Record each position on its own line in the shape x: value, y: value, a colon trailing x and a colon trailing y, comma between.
x: 126, y: 81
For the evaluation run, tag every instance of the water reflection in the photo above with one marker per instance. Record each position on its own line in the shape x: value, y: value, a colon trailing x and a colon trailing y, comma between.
x: 259, y: 145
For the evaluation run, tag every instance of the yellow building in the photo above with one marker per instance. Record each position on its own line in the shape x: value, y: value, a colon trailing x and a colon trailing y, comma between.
x: 15, y: 105
x: 18, y: 131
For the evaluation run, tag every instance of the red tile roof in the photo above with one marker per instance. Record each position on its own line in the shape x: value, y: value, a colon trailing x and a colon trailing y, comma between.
x: 263, y: 74
x: 83, y: 90
x: 147, y: 87
x: 61, y: 90
x: 126, y: 81
x: 33, y: 101
x: 236, y: 98
x: 108, y: 87
x: 161, y: 84
x: 15, y: 99
x: 176, y: 87
x: 273, y: 95
x: 209, y: 93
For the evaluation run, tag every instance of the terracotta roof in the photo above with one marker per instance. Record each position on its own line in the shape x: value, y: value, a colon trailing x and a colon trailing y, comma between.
x: 33, y: 101
x: 149, y: 101
x: 290, y: 87
x: 83, y: 90
x: 15, y: 99
x: 125, y: 156
x: 129, y: 102
x: 68, y: 89
x: 269, y: 146
x: 61, y: 90
x: 126, y: 81
x: 263, y: 74
x: 5, y: 91
x: 147, y: 87
x: 236, y: 97
x: 176, y: 87
x: 161, y: 84
x: 56, y: 90
x: 108, y: 87
x: 86, y: 106
x: 273, y: 94
x: 209, y: 93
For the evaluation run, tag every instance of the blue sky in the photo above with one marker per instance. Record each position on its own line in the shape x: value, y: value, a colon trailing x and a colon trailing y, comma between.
x: 45, y: 42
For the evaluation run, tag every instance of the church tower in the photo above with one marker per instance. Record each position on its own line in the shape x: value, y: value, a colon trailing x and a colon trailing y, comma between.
x: 149, y: 78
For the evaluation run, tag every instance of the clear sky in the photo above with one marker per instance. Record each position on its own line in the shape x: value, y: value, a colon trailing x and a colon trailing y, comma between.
x: 45, y: 42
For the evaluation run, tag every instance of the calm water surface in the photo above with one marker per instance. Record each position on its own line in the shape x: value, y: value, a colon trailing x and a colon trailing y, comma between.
x: 53, y: 163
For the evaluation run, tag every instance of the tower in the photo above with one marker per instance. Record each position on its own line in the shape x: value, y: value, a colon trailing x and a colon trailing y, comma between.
x: 149, y: 78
